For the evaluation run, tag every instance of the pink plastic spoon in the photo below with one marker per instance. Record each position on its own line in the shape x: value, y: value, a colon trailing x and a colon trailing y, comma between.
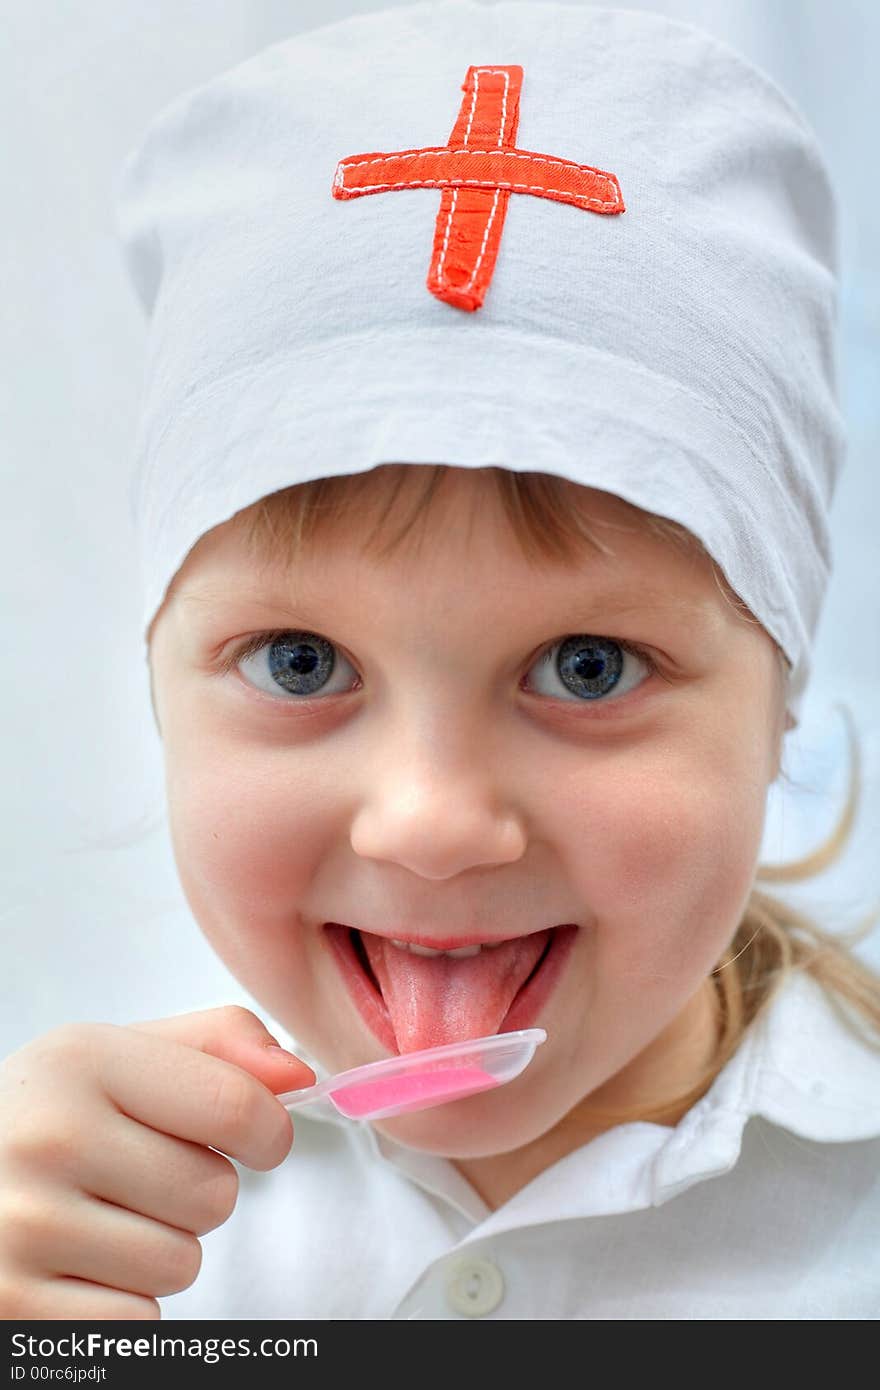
x: 418, y: 1080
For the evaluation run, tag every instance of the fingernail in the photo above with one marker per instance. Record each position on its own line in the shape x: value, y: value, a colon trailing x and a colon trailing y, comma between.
x: 282, y: 1052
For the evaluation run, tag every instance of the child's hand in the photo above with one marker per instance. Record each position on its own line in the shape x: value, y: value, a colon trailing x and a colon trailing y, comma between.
x: 106, y: 1178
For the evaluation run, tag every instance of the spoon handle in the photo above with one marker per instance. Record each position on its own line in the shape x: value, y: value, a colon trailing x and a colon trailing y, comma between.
x: 295, y: 1100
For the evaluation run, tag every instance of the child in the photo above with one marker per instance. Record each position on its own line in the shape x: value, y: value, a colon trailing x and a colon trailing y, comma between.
x: 469, y: 748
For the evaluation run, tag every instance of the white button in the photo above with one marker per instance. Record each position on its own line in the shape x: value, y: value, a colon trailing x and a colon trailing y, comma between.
x: 475, y: 1287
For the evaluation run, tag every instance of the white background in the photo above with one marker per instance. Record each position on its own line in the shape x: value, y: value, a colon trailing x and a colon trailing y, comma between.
x: 94, y: 923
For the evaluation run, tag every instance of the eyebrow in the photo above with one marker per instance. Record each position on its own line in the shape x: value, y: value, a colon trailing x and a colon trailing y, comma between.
x: 615, y: 604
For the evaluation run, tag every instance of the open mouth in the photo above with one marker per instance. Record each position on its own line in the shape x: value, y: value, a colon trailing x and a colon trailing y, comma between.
x: 415, y: 1000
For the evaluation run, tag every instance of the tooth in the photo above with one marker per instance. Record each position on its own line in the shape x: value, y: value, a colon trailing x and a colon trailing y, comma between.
x: 458, y: 952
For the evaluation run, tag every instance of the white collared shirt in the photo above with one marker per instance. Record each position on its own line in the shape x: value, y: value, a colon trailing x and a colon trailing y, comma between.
x: 763, y: 1202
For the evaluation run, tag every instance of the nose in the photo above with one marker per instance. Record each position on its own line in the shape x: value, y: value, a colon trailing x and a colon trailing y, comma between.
x: 435, y: 817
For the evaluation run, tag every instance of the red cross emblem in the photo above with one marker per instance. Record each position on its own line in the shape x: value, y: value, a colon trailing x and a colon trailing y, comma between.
x: 477, y: 171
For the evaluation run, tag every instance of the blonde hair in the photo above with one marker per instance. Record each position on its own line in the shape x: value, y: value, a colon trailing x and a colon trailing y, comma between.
x: 773, y: 939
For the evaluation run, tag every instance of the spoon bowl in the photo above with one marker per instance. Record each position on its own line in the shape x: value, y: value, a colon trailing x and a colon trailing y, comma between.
x: 419, y: 1080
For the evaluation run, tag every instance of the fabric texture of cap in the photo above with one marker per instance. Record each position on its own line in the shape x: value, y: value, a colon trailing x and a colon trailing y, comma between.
x: 559, y: 238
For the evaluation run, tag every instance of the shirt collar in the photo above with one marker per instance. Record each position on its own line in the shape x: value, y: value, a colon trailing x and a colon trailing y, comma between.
x: 801, y: 1065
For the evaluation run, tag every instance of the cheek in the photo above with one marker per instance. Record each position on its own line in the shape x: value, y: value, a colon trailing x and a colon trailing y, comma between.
x: 240, y: 831
x: 245, y: 841
x: 665, y: 853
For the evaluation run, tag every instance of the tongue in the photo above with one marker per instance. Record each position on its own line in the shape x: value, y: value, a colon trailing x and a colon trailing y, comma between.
x: 442, y: 999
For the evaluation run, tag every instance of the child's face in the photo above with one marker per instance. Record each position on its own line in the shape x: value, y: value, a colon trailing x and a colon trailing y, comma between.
x: 442, y: 782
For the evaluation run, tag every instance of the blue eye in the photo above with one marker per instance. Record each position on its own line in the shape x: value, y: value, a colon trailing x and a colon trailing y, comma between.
x: 300, y: 663
x: 304, y: 664
x: 590, y: 667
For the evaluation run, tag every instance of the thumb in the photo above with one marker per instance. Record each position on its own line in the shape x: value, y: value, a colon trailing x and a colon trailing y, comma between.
x: 236, y: 1035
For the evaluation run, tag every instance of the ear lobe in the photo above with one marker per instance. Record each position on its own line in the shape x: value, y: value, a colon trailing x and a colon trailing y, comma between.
x: 153, y: 704
x: 780, y: 748
x: 788, y: 722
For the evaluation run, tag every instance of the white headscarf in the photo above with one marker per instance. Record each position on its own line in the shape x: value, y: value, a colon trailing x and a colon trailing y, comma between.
x: 306, y: 321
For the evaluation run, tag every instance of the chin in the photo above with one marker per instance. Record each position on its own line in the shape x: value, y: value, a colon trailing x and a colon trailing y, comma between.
x: 471, y: 1128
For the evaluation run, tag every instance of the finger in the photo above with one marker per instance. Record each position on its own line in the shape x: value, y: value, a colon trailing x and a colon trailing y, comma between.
x: 155, y: 1175
x: 73, y: 1234
x: 179, y: 1090
x: 68, y: 1300
x: 236, y: 1035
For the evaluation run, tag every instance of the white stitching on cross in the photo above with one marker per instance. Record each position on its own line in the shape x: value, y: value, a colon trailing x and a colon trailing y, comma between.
x: 613, y: 202
x: 443, y: 153
x: 506, y: 75
x: 579, y: 198
x: 452, y: 205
